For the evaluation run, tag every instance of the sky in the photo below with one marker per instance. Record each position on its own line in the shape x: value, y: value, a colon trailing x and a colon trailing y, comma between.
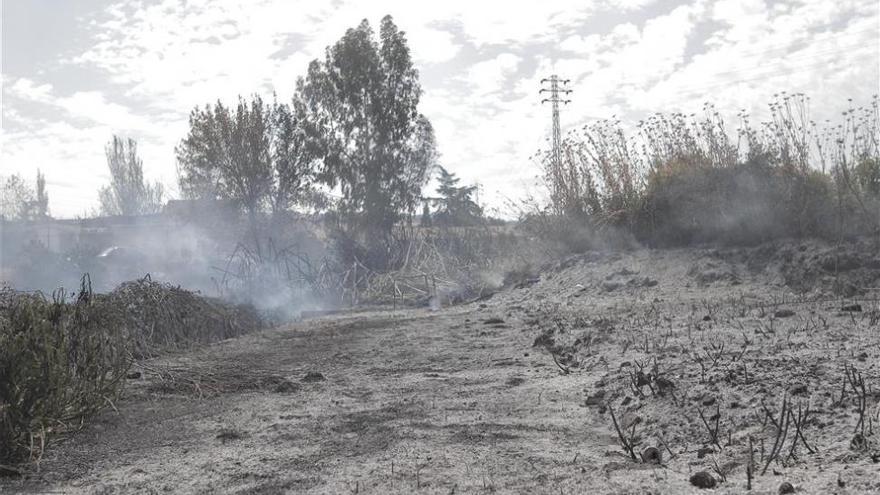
x: 76, y: 73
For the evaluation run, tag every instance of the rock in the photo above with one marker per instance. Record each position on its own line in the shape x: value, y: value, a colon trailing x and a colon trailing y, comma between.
x: 786, y: 488
x: 286, y: 387
x: 651, y: 455
x: 702, y: 479
x: 858, y: 442
x: 544, y: 340
x: 783, y: 313
x: 799, y: 389
x: 313, y: 376
x: 664, y: 384
x: 228, y: 435
x: 527, y: 283
x: 596, y: 399
x: 610, y: 286
x: 853, y: 308
x: 641, y: 282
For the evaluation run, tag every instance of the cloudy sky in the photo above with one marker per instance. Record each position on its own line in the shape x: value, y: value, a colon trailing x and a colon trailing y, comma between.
x: 75, y: 73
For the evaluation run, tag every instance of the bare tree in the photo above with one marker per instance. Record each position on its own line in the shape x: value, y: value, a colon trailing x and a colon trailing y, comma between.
x: 128, y: 192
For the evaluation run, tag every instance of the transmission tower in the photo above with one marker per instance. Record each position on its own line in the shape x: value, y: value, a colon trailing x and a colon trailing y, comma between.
x: 557, y: 93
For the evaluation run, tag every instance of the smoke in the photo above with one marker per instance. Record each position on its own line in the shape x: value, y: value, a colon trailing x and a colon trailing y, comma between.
x: 196, y: 251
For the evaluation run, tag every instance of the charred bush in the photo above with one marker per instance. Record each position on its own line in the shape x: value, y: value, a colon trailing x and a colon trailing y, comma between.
x: 160, y: 316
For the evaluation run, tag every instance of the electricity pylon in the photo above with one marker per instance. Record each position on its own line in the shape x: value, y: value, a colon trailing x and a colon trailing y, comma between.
x: 558, y: 93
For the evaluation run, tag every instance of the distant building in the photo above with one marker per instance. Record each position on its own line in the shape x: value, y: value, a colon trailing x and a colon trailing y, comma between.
x: 197, y: 210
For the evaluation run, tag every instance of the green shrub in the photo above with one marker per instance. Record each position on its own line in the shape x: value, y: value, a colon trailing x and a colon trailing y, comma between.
x: 868, y: 177
x: 63, y: 360
x: 59, y: 363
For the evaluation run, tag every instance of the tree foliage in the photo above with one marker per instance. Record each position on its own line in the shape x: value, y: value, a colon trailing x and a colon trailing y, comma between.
x: 361, y: 103
x: 128, y: 192
x: 41, y: 202
x: 456, y: 203
x: 20, y: 201
x: 255, y: 154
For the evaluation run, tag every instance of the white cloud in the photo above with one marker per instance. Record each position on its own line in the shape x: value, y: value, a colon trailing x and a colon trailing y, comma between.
x: 69, y: 147
x: 481, y: 64
x: 432, y: 46
x: 490, y: 76
x: 27, y: 89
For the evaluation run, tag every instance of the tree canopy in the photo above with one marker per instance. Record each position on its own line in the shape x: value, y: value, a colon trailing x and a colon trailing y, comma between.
x: 255, y: 154
x: 361, y: 103
x: 457, y: 205
x: 20, y: 201
x: 128, y: 192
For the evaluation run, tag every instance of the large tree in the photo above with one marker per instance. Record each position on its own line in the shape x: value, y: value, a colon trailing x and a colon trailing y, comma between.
x: 255, y: 154
x: 361, y: 103
x: 41, y: 202
x: 128, y: 192
x: 456, y: 203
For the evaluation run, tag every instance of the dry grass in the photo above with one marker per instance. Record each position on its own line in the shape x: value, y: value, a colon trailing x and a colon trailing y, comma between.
x: 680, y: 180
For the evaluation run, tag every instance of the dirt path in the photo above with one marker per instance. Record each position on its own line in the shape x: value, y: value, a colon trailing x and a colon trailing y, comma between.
x: 437, y: 402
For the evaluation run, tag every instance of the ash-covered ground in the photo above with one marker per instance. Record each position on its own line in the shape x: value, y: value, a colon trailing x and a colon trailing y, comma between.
x: 695, y: 352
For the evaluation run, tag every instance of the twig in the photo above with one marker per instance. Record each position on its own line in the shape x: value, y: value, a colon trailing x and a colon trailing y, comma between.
x: 562, y: 368
x: 627, y: 445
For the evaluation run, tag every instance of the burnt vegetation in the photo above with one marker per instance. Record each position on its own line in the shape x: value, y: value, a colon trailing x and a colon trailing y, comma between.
x: 347, y: 160
x: 678, y: 180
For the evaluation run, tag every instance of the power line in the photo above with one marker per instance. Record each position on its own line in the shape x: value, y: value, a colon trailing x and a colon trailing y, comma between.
x: 557, y: 93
